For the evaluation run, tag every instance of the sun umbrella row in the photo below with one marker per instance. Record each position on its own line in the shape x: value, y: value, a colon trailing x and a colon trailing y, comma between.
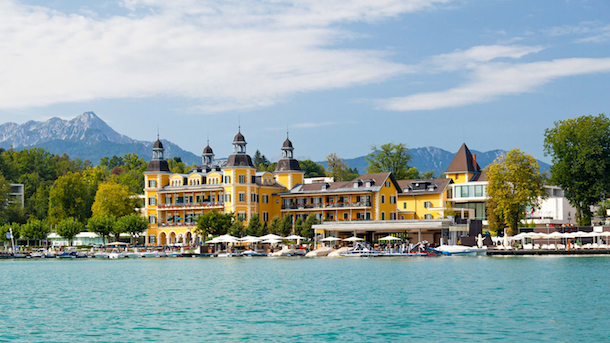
x: 270, y: 238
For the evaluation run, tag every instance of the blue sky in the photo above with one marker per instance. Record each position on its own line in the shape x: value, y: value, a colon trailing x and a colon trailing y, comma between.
x: 343, y: 75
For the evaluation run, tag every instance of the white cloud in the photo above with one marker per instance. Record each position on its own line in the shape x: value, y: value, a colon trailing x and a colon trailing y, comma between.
x: 593, y: 31
x: 472, y: 57
x: 490, y: 81
x: 225, y: 55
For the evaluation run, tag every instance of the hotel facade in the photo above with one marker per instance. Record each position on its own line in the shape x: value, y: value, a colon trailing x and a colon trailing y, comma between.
x: 369, y: 205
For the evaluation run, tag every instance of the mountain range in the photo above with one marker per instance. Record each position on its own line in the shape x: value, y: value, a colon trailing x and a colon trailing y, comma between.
x: 89, y: 137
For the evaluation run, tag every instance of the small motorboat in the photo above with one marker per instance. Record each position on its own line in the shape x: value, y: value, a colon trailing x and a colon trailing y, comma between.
x: 323, y: 251
x: 101, y: 254
x: 148, y: 254
x: 460, y: 250
x: 252, y: 253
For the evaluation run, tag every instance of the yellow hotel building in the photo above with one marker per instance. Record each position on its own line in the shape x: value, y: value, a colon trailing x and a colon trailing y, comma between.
x: 370, y: 204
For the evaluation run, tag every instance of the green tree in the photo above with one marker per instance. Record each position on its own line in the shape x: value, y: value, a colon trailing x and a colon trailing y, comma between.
x: 273, y: 226
x: 35, y: 229
x: 70, y: 197
x: 580, y: 151
x: 311, y: 168
x: 176, y: 165
x: 338, y: 169
x: 260, y: 162
x: 68, y: 228
x: 102, y: 225
x: 495, y: 222
x: 113, y: 199
x: 307, y: 227
x: 214, y: 223
x: 5, y: 228
x: 254, y: 225
x: 389, y: 157
x: 514, y: 183
x: 237, y: 229
x: 284, y: 226
x: 133, y: 224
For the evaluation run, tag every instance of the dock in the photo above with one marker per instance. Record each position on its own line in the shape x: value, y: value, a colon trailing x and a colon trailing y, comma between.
x: 548, y: 252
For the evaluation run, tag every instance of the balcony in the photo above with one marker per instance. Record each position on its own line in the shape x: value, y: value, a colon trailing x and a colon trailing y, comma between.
x: 327, y: 206
x: 193, y: 206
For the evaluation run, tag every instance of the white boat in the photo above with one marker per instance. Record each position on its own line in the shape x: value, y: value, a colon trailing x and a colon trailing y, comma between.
x: 171, y: 254
x: 323, y: 251
x: 117, y: 254
x: 252, y: 253
x: 101, y: 254
x: 461, y: 250
x: 148, y: 254
x: 228, y: 254
x: 133, y: 254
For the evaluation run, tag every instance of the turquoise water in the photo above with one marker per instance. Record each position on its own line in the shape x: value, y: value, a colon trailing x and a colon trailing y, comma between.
x: 556, y: 299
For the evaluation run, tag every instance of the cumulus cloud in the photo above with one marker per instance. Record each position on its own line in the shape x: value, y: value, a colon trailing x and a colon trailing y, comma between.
x: 222, y: 54
x: 490, y: 81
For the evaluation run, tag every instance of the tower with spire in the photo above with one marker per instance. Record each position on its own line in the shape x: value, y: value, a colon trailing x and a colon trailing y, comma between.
x: 288, y: 172
x: 239, y: 181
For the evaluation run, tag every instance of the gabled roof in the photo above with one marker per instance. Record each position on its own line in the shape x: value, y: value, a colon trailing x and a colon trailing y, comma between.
x: 377, y: 181
x: 424, y: 186
x: 463, y: 162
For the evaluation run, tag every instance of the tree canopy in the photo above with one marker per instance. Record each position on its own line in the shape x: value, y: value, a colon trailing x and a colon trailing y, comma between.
x: 102, y: 225
x: 580, y: 151
x: 392, y: 158
x: 214, y: 223
x: 132, y: 224
x: 114, y: 199
x: 70, y: 197
x: 338, y: 169
x: 514, y: 184
x: 311, y: 168
x: 68, y: 228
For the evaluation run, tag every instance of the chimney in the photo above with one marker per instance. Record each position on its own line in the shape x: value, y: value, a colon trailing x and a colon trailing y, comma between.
x: 474, y: 162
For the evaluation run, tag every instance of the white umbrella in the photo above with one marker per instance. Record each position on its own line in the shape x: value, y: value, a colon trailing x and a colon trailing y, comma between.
x: 353, y: 239
x: 229, y: 237
x: 293, y: 237
x: 555, y: 235
x: 251, y: 239
x: 390, y: 238
x: 248, y: 238
x: 271, y: 236
x: 271, y: 241
x: 330, y: 239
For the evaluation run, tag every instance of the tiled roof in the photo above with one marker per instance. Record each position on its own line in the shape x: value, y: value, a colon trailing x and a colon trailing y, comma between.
x: 463, y: 162
x: 424, y: 186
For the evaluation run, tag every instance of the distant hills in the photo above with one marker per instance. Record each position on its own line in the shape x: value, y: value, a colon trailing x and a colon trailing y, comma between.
x: 86, y: 136
x: 432, y: 158
x: 89, y: 137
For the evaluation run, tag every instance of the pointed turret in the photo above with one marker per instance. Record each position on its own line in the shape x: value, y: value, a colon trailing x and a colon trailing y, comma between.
x: 158, y: 162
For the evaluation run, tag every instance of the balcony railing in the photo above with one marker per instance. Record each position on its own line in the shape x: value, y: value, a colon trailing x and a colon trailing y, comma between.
x: 193, y: 205
x: 326, y: 206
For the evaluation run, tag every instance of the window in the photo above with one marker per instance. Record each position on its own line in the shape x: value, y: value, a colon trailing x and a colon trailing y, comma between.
x: 387, y: 184
x: 382, y: 215
x: 242, y: 178
x: 152, y: 183
x: 227, y: 179
x: 392, y: 199
x: 265, y: 217
x: 404, y: 205
x: 457, y: 176
x: 464, y: 192
x: 427, y: 204
x: 151, y: 239
x: 428, y: 216
x: 152, y: 219
x: 392, y: 216
x: 383, y: 199
x: 478, y: 191
x: 265, y: 198
x: 242, y: 197
x: 241, y: 217
x: 345, y: 216
x: 227, y: 197
x: 152, y: 201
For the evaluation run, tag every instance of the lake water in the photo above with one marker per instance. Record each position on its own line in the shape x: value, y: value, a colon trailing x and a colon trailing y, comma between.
x: 512, y: 299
